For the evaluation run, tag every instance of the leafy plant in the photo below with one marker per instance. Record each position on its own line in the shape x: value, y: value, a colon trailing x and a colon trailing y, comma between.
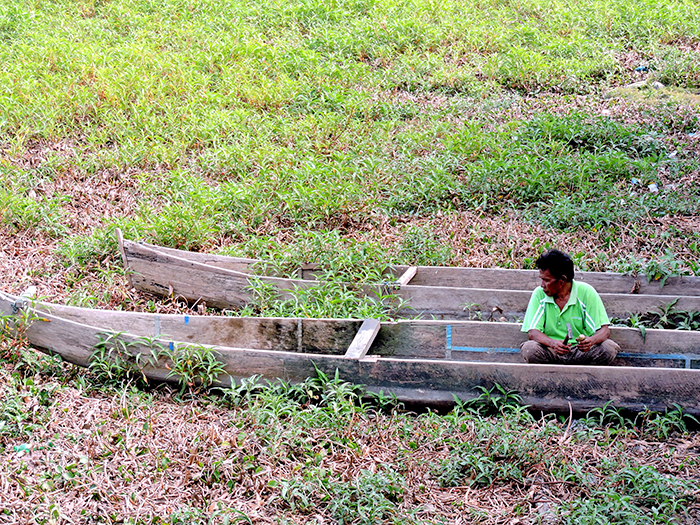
x: 492, y: 401
x: 368, y: 499
x: 641, y: 495
x: 241, y: 393
x: 323, y: 299
x: 665, y: 317
x: 468, y: 465
x: 421, y: 246
x: 663, y: 268
x: 196, y: 367
x: 662, y: 425
x: 13, y: 328
x: 116, y: 359
x: 606, y: 416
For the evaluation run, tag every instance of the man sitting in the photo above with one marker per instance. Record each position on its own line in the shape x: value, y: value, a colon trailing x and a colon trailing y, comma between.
x: 566, y: 322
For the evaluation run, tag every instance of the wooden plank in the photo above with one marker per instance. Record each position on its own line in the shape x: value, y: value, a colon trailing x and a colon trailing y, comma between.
x: 125, y: 260
x: 239, y: 264
x: 542, y: 386
x: 454, y: 277
x: 514, y: 279
x: 406, y: 277
x: 364, y: 339
x: 416, y: 338
x: 441, y: 302
x: 159, y: 273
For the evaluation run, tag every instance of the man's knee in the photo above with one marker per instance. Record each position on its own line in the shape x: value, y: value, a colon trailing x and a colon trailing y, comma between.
x: 608, y: 352
x: 533, y: 352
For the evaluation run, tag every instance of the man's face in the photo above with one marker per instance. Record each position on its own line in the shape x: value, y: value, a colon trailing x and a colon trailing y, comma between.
x: 550, y: 284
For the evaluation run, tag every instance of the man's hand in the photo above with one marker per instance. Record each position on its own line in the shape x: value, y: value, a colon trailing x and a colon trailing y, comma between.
x: 588, y: 342
x: 560, y: 348
x: 585, y: 344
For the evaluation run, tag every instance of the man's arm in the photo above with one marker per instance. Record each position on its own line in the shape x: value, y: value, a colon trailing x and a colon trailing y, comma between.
x: 540, y: 337
x: 598, y: 337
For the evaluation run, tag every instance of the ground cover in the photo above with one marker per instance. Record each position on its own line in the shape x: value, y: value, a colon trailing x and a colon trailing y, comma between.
x: 75, y: 448
x: 359, y: 134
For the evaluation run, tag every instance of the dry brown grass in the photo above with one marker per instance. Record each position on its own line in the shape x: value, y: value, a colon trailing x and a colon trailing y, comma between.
x: 127, y: 456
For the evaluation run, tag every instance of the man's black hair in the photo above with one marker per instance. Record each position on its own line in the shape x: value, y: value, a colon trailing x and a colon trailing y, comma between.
x: 559, y: 264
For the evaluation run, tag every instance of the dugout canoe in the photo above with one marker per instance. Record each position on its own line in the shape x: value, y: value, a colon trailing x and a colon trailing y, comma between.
x: 429, y: 292
x: 419, y: 361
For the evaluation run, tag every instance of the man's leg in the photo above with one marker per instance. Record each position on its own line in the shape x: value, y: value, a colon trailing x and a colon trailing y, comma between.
x: 604, y: 353
x: 599, y: 355
x: 534, y: 352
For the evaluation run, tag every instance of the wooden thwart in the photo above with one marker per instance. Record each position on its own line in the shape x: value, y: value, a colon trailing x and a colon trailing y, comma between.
x: 406, y: 276
x: 363, y: 339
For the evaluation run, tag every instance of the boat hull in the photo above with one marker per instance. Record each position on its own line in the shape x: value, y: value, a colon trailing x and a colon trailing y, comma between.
x: 423, y: 362
x: 199, y: 278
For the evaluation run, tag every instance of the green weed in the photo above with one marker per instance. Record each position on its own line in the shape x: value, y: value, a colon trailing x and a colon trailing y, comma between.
x: 665, y: 317
x: 467, y: 465
x: 368, y: 499
x: 420, y: 246
x: 337, y: 258
x: 660, y: 426
x: 196, y: 367
x: 606, y: 416
x: 491, y: 401
x: 329, y: 299
x: 18, y: 418
x: 662, y: 268
x: 641, y: 495
x: 116, y: 360
x: 20, y: 211
x: 83, y: 253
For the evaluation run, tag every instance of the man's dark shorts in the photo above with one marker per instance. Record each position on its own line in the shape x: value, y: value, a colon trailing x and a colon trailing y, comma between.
x: 602, y: 354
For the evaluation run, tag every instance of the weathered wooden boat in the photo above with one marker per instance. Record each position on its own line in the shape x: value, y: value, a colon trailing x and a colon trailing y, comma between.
x: 420, y: 361
x: 428, y: 292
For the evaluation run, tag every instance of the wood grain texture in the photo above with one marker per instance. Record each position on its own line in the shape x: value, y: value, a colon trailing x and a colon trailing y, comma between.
x: 417, y: 338
x: 363, y: 339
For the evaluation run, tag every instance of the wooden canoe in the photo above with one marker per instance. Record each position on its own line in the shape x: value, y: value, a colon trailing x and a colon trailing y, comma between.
x: 419, y: 361
x: 429, y: 292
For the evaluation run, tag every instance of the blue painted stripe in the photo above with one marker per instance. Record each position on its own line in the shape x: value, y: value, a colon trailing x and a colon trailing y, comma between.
x: 187, y: 319
x: 620, y: 354
x: 678, y: 357
x: 632, y: 355
x: 484, y: 349
x: 653, y: 356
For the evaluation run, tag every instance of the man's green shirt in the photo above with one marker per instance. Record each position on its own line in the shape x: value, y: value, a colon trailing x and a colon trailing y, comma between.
x: 584, y: 311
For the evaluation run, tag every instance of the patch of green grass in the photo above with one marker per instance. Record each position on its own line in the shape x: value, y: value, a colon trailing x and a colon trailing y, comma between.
x: 23, y: 408
x: 641, y: 495
x: 22, y: 208
x: 115, y: 360
x: 421, y: 246
x: 327, y: 299
x: 676, y: 67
